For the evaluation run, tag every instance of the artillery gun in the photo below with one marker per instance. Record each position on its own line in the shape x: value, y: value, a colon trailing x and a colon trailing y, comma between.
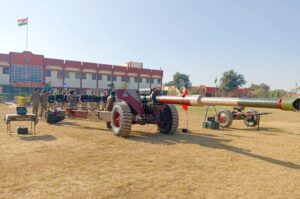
x: 150, y: 107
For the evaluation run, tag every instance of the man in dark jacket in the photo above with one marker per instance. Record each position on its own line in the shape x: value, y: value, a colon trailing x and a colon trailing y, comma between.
x: 84, y: 98
x: 59, y: 98
x: 51, y: 100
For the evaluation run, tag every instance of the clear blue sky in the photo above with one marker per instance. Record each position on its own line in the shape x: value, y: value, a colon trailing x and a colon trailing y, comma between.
x: 260, y: 39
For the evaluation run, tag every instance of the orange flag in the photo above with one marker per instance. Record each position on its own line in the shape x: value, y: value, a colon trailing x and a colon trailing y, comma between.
x: 185, y: 92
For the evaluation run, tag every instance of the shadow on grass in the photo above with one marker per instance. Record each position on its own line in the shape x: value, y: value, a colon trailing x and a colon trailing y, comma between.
x: 261, y: 130
x: 205, y: 141
x: 38, y: 138
x: 69, y: 124
x: 76, y: 125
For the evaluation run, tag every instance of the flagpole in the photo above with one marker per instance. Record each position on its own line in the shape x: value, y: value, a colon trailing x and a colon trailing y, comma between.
x: 27, y: 35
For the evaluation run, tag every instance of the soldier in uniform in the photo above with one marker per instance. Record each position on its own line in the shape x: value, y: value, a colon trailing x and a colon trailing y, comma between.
x: 65, y: 99
x: 104, y: 100
x: 92, y: 101
x: 110, y: 101
x: 51, y: 100
x: 44, y: 103
x: 35, y: 100
x: 72, y: 100
x: 84, y: 98
x: 59, y: 99
x: 98, y: 100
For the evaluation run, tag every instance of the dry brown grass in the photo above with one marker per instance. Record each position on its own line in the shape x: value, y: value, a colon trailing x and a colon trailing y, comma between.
x: 84, y: 160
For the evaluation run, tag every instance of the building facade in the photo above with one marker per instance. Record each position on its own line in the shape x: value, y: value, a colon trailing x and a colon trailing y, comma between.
x: 22, y: 72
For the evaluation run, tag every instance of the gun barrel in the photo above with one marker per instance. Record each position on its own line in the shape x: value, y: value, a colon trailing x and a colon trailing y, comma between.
x: 288, y: 104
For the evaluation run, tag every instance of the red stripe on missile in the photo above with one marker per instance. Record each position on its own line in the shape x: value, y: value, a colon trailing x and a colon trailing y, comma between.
x: 179, y: 101
x: 280, y: 104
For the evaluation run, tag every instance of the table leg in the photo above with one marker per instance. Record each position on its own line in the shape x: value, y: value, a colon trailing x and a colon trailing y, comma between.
x: 34, y: 129
x: 9, y: 128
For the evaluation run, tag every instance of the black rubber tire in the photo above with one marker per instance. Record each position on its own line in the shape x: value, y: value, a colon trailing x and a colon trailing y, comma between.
x: 169, y: 120
x: 125, y: 119
x: 252, y: 121
x: 226, y: 120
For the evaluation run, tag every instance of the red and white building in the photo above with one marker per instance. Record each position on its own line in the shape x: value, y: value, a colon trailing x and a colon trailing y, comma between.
x: 21, y: 72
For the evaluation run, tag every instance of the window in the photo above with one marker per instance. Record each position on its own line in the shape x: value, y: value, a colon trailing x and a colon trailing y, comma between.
x: 83, y: 76
x: 159, y: 81
x: 59, y: 74
x: 152, y: 81
x: 114, y: 78
x: 136, y: 79
x: 124, y: 79
x: 48, y: 73
x: 77, y: 75
x: 94, y: 76
x: 26, y: 73
x: 147, y: 80
x: 99, y: 76
x: 5, y: 89
x: 66, y: 74
x: 108, y: 77
x: 5, y: 70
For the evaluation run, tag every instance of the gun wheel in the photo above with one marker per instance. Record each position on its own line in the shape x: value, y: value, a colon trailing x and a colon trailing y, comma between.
x: 251, y: 120
x: 168, y: 120
x: 225, y: 118
x: 121, y: 120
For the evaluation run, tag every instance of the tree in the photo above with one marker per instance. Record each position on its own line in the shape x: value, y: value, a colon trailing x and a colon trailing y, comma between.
x: 230, y: 81
x: 261, y: 90
x: 278, y: 93
x: 180, y: 80
x: 124, y: 85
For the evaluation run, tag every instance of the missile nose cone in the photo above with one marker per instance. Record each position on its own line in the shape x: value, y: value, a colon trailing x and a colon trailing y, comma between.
x: 290, y: 104
x: 296, y: 104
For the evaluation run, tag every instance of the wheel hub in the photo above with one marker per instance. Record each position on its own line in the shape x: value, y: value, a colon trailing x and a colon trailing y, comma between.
x: 116, y: 119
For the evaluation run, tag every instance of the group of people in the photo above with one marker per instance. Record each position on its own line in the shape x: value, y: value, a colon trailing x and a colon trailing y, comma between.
x: 49, y: 100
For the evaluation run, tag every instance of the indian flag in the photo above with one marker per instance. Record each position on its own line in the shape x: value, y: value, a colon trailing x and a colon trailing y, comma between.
x: 23, y: 21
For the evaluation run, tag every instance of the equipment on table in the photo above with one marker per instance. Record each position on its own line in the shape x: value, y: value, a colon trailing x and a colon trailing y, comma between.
x: 17, y: 118
x: 21, y: 110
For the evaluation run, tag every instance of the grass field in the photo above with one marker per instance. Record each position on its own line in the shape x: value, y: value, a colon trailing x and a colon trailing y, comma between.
x: 81, y: 159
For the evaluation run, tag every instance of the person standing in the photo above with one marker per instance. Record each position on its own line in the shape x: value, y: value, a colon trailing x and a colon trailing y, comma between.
x: 72, y: 100
x: 110, y: 101
x: 51, y: 100
x: 44, y: 103
x: 92, y: 101
x: 98, y: 100
x: 104, y: 99
x: 35, y: 100
x: 59, y: 98
x: 84, y: 98
x: 65, y: 99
